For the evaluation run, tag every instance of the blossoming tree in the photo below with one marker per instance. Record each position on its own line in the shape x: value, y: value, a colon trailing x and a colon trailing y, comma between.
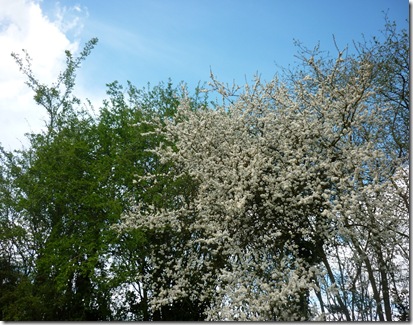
x: 296, y: 210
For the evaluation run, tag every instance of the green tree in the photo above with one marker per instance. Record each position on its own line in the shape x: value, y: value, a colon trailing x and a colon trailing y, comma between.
x: 66, y: 191
x: 60, y: 203
x: 128, y: 122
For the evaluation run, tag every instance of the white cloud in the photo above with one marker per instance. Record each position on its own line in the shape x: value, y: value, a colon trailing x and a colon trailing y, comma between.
x: 23, y: 25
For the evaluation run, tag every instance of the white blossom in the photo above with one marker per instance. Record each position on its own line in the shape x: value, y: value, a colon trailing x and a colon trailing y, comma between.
x: 282, y: 196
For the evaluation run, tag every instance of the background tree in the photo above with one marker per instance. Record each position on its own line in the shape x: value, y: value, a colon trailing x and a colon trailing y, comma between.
x: 127, y: 124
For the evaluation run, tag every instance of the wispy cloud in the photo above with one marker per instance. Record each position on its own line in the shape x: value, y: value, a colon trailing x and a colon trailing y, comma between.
x: 133, y: 43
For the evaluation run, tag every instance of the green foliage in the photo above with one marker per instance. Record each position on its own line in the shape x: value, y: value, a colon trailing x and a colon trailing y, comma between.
x: 64, y: 193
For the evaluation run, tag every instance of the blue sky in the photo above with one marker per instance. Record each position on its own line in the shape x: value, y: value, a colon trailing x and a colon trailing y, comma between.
x: 152, y: 40
x: 143, y: 40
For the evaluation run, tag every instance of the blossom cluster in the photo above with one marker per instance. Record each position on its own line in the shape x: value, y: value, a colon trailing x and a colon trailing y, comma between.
x: 287, y: 184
